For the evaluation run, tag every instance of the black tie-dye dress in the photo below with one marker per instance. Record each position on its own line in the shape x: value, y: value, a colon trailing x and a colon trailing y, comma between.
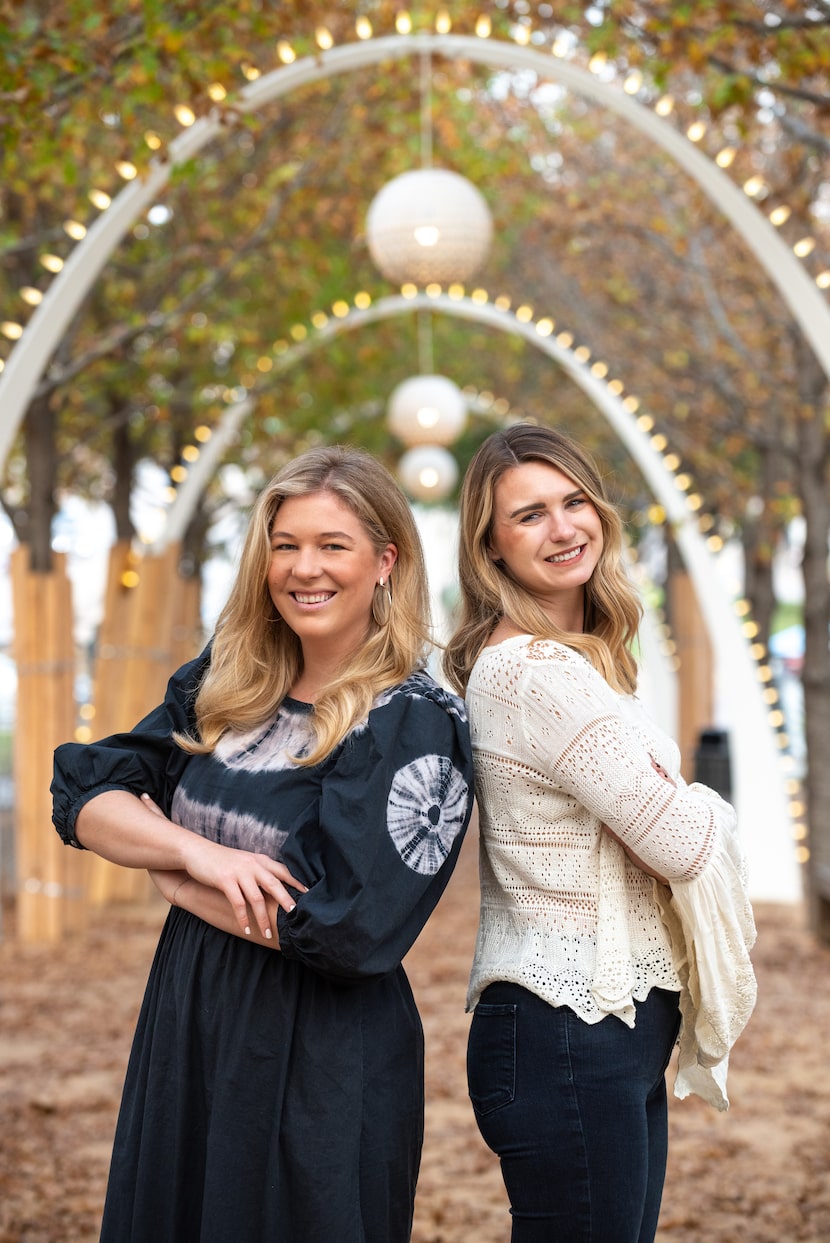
x: 278, y: 1095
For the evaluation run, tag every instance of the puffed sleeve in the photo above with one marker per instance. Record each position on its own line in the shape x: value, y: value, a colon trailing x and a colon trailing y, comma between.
x: 574, y: 726
x: 146, y: 759
x: 393, y: 812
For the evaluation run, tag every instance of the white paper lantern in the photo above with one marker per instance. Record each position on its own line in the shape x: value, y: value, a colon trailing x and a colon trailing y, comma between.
x: 428, y: 472
x: 429, y: 225
x: 427, y: 409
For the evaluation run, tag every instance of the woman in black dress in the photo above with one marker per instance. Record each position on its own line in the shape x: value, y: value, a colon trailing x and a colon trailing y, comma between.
x: 300, y: 798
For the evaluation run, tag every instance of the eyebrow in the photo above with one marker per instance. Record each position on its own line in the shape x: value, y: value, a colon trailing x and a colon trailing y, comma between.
x: 527, y: 509
x: 320, y: 535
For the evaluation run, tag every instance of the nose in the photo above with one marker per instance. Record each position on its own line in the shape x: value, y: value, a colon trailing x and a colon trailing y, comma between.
x: 306, y: 562
x: 561, y: 526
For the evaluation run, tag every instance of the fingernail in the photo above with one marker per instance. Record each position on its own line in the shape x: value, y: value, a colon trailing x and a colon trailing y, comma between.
x: 268, y: 933
x: 247, y: 932
x: 291, y: 907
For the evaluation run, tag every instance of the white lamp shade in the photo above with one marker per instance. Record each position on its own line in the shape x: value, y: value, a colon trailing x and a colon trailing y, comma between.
x: 428, y: 472
x: 429, y: 225
x: 427, y: 409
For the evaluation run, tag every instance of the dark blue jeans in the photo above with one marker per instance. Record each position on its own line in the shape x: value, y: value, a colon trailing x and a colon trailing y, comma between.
x: 576, y: 1113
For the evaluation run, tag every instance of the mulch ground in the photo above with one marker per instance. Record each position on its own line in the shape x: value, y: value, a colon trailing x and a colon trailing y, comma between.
x: 757, y: 1174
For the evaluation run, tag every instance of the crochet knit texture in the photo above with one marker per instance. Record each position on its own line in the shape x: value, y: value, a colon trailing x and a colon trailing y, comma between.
x: 559, y: 754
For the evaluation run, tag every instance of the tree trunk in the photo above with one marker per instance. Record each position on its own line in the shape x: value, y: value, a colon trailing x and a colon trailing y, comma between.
x: 123, y: 465
x: 760, y: 535
x: 813, y: 457
x: 35, y: 528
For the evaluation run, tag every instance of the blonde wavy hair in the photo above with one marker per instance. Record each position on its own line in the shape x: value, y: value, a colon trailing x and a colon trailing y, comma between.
x: 256, y: 657
x: 488, y: 593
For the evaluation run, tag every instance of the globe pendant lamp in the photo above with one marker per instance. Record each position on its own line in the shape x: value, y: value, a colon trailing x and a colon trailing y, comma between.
x: 427, y: 409
x: 429, y: 225
x: 428, y: 472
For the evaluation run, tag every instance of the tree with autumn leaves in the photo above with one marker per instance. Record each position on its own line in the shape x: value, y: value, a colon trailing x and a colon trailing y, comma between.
x: 593, y: 226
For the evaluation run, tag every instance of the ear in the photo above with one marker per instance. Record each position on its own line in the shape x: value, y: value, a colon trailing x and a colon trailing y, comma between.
x: 387, y: 559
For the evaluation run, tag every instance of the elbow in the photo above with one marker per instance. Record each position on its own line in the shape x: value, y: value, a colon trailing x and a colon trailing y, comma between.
x: 338, y: 954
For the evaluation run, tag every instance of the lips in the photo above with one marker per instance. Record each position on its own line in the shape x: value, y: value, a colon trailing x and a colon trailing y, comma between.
x: 562, y: 558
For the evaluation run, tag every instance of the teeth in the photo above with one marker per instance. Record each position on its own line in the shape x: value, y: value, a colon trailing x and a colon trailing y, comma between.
x: 566, y: 556
x: 318, y: 598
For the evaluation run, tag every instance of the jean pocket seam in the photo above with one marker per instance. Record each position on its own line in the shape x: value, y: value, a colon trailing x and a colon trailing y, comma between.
x: 505, y: 1093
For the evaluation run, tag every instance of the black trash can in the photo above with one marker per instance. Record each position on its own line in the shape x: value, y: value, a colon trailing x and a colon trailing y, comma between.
x: 712, y: 764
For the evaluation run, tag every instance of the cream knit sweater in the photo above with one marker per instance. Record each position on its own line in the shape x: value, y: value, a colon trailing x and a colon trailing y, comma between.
x: 559, y: 754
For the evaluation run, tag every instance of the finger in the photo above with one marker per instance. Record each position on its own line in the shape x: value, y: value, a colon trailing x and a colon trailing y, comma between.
x: 287, y: 879
x: 279, y: 893
x: 259, y: 911
x: 151, y: 806
x: 281, y: 872
x: 240, y: 909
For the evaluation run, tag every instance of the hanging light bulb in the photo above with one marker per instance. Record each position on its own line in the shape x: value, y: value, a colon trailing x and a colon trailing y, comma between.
x: 428, y: 225
x: 428, y: 473
x: 427, y: 409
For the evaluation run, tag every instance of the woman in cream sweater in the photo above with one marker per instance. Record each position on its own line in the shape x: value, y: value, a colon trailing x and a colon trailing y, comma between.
x: 586, y: 824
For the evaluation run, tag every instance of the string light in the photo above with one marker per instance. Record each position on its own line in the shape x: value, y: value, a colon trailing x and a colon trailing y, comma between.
x: 184, y: 115
x: 99, y: 199
x: 52, y: 263
x: 126, y: 169
x: 363, y: 28
x: 324, y: 38
x: 443, y: 22
x: 484, y: 27
x: 403, y: 23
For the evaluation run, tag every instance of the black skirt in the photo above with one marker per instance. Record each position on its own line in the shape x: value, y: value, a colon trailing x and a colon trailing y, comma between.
x: 265, y: 1102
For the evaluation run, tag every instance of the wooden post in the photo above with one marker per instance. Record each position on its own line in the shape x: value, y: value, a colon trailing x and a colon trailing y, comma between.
x: 50, y: 875
x: 695, y: 672
x: 137, y: 652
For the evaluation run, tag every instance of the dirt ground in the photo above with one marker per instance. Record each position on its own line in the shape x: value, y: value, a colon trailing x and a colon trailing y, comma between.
x: 758, y: 1174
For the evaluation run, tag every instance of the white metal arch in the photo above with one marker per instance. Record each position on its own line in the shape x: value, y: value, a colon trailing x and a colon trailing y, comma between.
x: 757, y: 769
x: 34, y: 349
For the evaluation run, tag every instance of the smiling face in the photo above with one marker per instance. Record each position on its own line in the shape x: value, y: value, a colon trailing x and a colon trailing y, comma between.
x: 549, y: 537
x: 323, y: 573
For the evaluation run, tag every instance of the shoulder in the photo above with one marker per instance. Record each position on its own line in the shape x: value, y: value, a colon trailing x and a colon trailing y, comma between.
x: 527, y: 656
x: 420, y: 688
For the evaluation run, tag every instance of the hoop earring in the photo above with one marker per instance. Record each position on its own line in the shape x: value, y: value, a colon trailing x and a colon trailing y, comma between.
x: 381, y: 604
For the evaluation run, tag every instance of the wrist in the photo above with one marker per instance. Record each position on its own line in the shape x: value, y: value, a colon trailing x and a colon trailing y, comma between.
x: 179, y: 886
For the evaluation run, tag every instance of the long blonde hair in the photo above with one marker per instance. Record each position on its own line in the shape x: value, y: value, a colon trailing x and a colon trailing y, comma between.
x: 256, y: 658
x: 488, y: 593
